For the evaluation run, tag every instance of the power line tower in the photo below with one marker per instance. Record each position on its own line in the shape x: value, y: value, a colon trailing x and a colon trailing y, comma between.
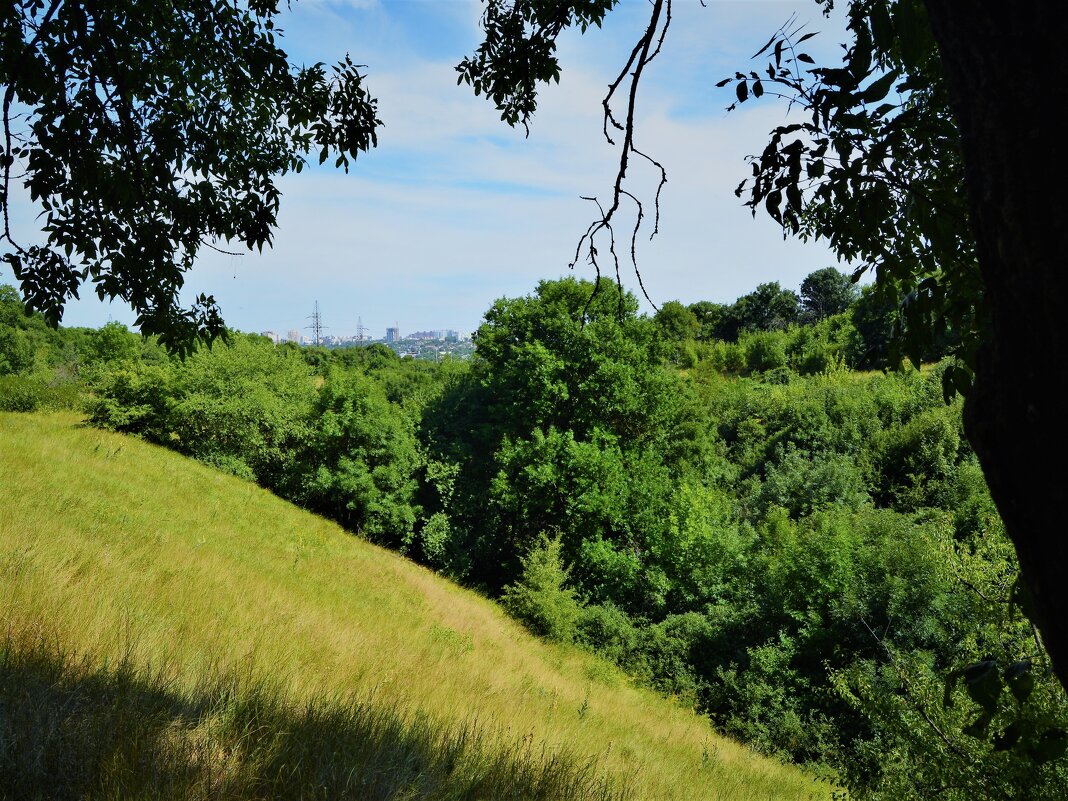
x: 361, y: 330
x: 316, y: 326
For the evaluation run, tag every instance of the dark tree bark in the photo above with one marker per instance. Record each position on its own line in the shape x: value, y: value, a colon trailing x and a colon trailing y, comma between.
x: 1007, y: 67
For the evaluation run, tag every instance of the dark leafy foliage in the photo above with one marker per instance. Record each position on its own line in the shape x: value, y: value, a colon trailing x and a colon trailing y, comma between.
x: 875, y: 168
x: 147, y: 131
x: 519, y: 50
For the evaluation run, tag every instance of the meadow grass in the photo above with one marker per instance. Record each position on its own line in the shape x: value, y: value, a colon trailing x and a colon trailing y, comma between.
x: 168, y: 631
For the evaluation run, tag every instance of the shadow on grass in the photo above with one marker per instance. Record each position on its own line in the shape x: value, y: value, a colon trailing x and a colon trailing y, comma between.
x: 73, y: 730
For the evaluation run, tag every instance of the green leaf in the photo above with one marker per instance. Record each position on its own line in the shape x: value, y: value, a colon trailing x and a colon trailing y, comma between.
x: 1051, y: 745
x: 879, y: 89
x: 983, y: 684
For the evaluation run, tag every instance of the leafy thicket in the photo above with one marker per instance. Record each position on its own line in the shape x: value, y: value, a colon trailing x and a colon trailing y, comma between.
x: 873, y: 164
x: 716, y: 499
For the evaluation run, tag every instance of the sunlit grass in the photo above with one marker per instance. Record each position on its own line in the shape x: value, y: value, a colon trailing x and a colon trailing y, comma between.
x: 273, y: 655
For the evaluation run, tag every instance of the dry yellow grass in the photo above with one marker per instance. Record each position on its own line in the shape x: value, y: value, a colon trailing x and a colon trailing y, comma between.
x: 118, y: 546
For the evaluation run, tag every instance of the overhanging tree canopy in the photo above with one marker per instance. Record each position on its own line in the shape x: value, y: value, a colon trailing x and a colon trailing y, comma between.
x: 148, y: 130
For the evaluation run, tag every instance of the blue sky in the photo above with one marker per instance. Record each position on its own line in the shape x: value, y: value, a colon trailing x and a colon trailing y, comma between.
x: 454, y: 209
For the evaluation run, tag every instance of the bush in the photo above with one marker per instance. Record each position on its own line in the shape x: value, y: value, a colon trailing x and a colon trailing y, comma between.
x: 677, y: 652
x: 31, y: 393
x: 764, y: 350
x: 918, y: 462
x: 803, y: 483
x: 539, y: 600
x: 134, y: 399
x: 359, y: 461
x: 19, y: 393
x: 609, y: 630
x: 16, y: 351
x: 434, y: 539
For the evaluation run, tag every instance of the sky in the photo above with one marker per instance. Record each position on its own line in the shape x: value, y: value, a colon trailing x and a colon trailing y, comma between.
x: 454, y: 209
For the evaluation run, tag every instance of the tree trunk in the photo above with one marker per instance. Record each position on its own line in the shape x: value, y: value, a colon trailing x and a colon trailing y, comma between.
x: 1007, y: 70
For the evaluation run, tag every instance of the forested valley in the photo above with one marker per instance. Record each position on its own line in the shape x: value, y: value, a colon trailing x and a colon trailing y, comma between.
x: 740, y: 505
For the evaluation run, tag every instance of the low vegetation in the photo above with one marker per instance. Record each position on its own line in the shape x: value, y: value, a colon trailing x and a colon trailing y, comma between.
x: 172, y: 632
x: 730, y: 504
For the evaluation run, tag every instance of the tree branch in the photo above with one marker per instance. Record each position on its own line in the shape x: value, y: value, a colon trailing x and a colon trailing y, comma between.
x: 644, y: 51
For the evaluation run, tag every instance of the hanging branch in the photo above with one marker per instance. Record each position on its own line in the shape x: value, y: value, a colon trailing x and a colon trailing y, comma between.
x: 641, y: 55
x: 518, y: 53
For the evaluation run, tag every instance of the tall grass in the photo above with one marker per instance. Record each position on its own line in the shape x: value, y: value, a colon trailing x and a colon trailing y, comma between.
x: 171, y: 632
x: 74, y: 729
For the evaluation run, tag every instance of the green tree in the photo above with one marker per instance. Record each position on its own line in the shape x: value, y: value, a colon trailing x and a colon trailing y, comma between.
x: 359, y: 460
x: 769, y: 307
x: 676, y: 322
x: 150, y: 131
x: 569, y: 423
x: 540, y: 598
x: 16, y: 351
x: 709, y: 317
x: 825, y: 293
x: 113, y: 342
x: 923, y: 184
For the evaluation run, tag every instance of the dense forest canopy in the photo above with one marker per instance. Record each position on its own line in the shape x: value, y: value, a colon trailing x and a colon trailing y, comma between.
x: 907, y: 159
x: 758, y: 523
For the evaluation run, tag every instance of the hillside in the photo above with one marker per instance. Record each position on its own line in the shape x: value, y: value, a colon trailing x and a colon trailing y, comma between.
x: 171, y: 631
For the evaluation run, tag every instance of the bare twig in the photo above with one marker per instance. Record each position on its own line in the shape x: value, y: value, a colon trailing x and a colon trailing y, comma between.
x: 644, y: 51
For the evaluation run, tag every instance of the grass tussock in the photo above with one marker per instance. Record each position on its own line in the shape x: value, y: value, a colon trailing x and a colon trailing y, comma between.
x: 170, y: 632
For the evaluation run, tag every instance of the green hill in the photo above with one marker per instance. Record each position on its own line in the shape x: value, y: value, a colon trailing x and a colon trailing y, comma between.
x: 169, y: 631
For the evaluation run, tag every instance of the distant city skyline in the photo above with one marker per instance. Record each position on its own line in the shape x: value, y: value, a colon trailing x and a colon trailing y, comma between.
x: 364, y: 334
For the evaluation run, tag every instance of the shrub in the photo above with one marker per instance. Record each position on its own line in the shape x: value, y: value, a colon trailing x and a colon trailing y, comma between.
x: 31, y: 393
x: 539, y: 600
x: 359, y: 461
x: 16, y: 351
x: 134, y: 399
x: 803, y: 483
x: 918, y: 462
x: 677, y: 652
x: 609, y: 630
x: 19, y: 393
x: 764, y: 350
x: 434, y: 539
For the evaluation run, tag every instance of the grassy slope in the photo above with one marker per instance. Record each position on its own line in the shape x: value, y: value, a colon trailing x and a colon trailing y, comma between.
x: 113, y: 547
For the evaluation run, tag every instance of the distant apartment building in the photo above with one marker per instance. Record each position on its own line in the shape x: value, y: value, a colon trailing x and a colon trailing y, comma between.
x: 294, y: 336
x: 393, y: 335
x: 427, y: 335
x: 271, y: 335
